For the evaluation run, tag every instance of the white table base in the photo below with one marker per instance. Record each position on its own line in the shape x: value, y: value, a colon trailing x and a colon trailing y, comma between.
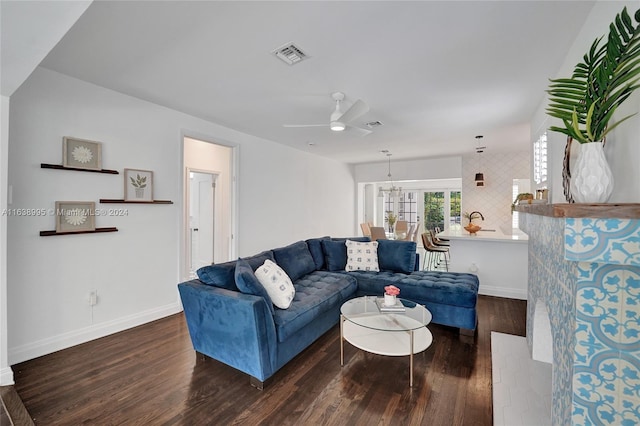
x: 382, y: 342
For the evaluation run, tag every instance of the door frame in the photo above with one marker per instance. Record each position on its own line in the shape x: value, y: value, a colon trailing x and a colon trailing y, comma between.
x: 183, y: 268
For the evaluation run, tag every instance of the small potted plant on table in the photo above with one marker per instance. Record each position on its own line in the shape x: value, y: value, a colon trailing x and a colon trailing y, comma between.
x: 390, y: 294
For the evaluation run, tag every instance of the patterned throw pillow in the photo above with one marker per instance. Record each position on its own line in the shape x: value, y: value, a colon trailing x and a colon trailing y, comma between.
x: 362, y: 256
x: 277, y: 283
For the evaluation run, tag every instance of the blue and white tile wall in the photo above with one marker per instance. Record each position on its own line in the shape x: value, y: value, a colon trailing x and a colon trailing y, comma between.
x: 551, y: 279
x: 587, y: 272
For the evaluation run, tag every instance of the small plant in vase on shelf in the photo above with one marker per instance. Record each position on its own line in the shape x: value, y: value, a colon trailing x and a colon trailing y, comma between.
x: 390, y: 294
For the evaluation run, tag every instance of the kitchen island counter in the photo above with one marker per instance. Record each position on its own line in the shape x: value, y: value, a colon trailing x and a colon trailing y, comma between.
x: 498, y: 258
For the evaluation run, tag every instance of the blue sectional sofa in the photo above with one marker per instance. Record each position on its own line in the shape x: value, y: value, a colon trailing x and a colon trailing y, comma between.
x: 232, y: 319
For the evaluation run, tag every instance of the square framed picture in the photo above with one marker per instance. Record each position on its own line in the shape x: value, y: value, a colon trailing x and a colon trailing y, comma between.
x: 138, y: 185
x: 75, y: 216
x: 81, y: 153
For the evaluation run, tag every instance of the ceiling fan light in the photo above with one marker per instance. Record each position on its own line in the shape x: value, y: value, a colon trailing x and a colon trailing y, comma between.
x: 337, y: 126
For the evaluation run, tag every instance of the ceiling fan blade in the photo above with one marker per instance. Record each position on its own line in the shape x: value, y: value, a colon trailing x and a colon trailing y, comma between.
x: 305, y: 125
x: 360, y: 130
x: 357, y: 109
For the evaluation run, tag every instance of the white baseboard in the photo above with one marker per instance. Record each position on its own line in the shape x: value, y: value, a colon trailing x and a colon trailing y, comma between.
x: 6, y: 376
x: 509, y: 293
x: 86, y: 334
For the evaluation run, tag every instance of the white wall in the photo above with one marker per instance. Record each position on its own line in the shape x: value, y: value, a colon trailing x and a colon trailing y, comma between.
x: 28, y: 31
x: 290, y: 195
x: 623, y: 145
x: 284, y: 195
x: 6, y: 375
x: 421, y: 169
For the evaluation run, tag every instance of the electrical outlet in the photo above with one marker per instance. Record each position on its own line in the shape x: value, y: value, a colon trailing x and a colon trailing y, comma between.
x: 93, y: 297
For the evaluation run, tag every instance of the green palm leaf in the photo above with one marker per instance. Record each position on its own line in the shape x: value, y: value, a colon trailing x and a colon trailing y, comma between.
x: 605, y: 78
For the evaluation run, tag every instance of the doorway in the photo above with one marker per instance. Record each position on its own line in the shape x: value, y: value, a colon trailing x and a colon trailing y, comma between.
x: 208, y: 214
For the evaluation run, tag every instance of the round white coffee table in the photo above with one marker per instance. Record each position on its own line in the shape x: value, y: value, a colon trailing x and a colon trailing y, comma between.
x: 366, y: 327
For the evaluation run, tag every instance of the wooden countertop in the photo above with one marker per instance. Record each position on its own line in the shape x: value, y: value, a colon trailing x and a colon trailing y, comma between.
x: 605, y: 210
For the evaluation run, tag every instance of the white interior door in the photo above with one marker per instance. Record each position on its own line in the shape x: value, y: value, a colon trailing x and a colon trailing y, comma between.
x: 202, y: 219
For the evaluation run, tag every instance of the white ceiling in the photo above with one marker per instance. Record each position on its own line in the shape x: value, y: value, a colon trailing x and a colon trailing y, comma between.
x: 436, y: 73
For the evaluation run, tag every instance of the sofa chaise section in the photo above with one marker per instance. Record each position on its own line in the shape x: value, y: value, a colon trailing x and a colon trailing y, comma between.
x: 450, y: 297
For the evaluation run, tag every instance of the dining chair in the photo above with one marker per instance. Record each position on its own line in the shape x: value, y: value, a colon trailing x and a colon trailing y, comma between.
x: 402, y: 226
x: 366, y: 229
x: 377, y: 233
x: 434, y: 253
x: 411, y: 233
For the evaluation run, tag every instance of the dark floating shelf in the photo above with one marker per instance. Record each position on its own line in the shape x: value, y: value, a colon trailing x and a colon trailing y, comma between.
x: 122, y: 201
x: 61, y: 167
x: 96, y: 231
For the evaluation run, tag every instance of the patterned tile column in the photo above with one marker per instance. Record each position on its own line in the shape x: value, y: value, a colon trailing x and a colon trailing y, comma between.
x: 606, y: 376
x: 587, y: 272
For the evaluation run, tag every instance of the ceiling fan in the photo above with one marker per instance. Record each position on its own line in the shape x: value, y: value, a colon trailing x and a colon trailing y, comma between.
x: 339, y: 120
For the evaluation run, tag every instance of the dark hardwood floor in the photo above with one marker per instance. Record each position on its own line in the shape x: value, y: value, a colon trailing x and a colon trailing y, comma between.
x: 150, y: 375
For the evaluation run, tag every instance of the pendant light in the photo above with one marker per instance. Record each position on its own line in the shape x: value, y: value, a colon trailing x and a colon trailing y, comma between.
x: 479, y: 179
x: 393, y: 191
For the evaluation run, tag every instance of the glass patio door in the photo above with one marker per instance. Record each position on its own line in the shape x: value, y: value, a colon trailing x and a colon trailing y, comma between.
x: 440, y: 208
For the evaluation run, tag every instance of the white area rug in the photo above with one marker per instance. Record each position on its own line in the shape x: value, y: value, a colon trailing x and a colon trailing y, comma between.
x: 521, y: 386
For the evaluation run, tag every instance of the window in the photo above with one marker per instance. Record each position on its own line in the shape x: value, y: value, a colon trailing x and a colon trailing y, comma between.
x: 434, y: 203
x: 518, y: 187
x: 408, y: 207
x: 540, y: 159
x: 514, y: 194
x: 441, y: 207
x: 454, y: 208
x: 406, y: 204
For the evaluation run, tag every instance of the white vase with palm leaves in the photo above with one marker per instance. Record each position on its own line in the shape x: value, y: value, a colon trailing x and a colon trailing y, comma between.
x: 586, y: 103
x: 592, y: 181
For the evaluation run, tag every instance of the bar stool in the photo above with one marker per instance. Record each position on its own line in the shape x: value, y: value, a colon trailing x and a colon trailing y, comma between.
x: 437, y: 241
x: 437, y: 231
x: 433, y: 250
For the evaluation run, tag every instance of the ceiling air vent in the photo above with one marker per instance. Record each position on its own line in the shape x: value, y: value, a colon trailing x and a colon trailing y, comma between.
x: 290, y: 54
x: 372, y: 124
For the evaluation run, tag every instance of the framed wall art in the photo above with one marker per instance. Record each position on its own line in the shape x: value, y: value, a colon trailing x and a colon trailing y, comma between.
x: 75, y: 216
x: 138, y: 185
x: 81, y: 153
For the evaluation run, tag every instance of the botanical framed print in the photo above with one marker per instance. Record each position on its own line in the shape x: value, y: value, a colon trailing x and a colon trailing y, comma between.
x: 75, y: 216
x: 138, y: 185
x: 81, y: 153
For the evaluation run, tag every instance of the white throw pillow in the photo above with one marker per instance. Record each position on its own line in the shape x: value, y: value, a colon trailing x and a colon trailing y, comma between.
x: 362, y: 256
x: 277, y: 283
